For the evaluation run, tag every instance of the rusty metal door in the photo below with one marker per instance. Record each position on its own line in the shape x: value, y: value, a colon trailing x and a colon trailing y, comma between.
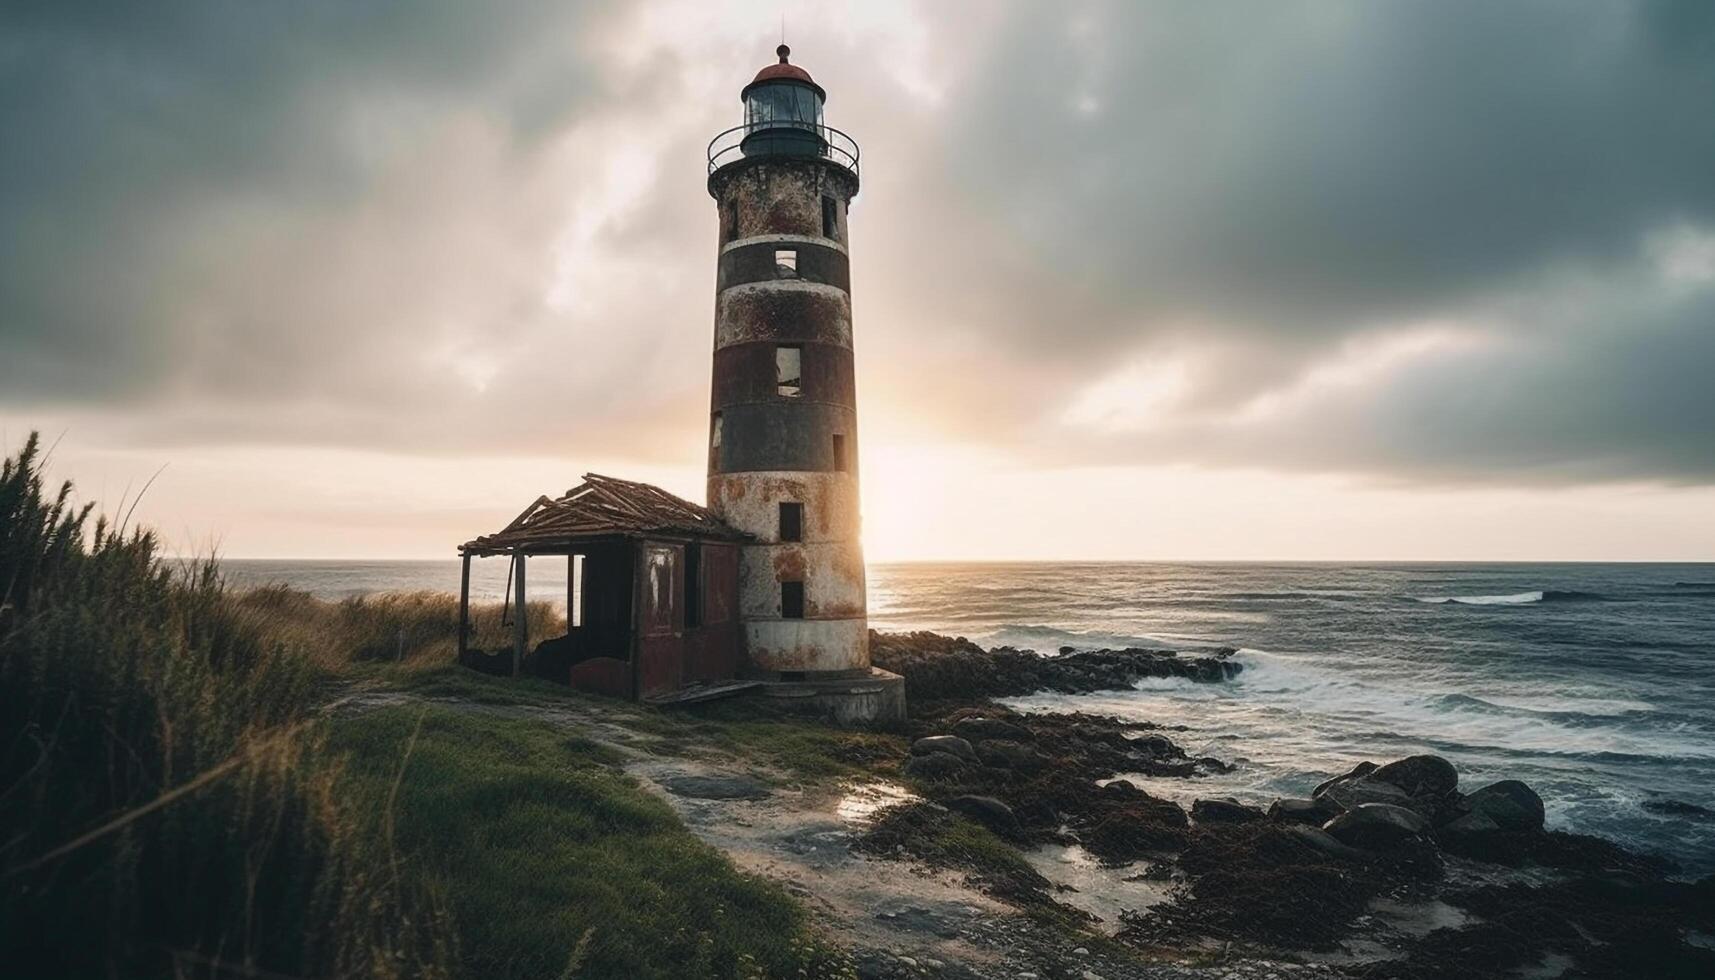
x: 660, y: 641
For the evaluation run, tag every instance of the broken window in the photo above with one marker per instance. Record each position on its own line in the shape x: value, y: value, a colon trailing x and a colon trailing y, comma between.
x: 830, y: 219
x: 786, y: 263
x: 791, y: 521
x: 693, y: 585
x: 840, y: 453
x: 788, y: 371
x: 791, y: 600
x: 715, y: 442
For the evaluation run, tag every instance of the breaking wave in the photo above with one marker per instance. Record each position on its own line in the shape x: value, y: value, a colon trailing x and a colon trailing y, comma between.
x: 1513, y: 599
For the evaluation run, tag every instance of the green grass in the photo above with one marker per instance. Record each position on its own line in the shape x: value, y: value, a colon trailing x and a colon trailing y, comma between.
x: 795, y: 748
x: 553, y: 863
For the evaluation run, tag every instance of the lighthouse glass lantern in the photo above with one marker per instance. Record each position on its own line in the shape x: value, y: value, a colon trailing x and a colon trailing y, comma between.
x: 783, y: 112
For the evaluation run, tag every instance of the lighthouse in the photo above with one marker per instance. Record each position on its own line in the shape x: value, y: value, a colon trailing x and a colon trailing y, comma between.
x: 783, y: 460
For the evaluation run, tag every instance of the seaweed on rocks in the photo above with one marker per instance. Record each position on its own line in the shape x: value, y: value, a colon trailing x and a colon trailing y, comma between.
x: 1611, y: 925
x: 1266, y: 884
x: 942, y: 668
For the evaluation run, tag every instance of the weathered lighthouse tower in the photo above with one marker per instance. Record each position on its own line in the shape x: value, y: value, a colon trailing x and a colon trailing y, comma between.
x: 783, y: 449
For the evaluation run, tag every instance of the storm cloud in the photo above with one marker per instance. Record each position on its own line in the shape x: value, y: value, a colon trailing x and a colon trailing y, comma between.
x: 1436, y: 242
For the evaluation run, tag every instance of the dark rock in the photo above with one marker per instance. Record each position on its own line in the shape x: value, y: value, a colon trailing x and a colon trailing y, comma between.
x: 950, y: 744
x: 716, y: 787
x: 1361, y: 769
x: 1471, y: 823
x: 1510, y: 804
x: 989, y: 812
x: 938, y: 667
x: 1312, y: 812
x: 1158, y: 747
x: 1004, y: 754
x: 1123, y: 789
x: 1377, y: 826
x: 1421, y: 776
x: 1224, y: 810
x: 1357, y: 791
x: 1325, y: 842
x: 936, y: 766
x: 981, y: 729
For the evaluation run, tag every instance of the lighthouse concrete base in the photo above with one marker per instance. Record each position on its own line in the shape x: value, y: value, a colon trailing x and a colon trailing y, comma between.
x: 876, y: 698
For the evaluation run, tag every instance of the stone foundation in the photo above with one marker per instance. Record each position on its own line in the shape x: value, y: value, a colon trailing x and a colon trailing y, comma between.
x: 877, y: 698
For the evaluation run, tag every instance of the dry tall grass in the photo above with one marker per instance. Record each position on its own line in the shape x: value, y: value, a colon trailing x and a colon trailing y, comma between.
x: 415, y: 628
x: 168, y: 804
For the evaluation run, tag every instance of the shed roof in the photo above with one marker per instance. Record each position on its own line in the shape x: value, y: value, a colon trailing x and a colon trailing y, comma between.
x: 603, y: 506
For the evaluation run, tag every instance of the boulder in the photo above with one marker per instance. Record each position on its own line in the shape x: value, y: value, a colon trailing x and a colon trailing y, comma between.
x: 950, y: 744
x: 1004, y: 754
x: 1349, y: 793
x: 1122, y: 789
x: 1377, y: 826
x: 989, y: 812
x: 1420, y: 776
x: 1224, y: 810
x: 936, y: 766
x: 1361, y: 769
x: 1509, y: 804
x: 1324, y: 842
x: 1471, y: 823
x: 1158, y: 747
x: 982, y: 729
x: 1312, y: 812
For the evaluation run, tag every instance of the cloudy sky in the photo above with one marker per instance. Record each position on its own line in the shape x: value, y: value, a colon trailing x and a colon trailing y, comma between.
x: 1170, y: 280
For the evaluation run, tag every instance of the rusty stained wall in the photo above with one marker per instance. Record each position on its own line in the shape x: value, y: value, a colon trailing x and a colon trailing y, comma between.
x: 780, y: 196
x: 752, y: 500
x: 783, y: 311
x: 809, y: 645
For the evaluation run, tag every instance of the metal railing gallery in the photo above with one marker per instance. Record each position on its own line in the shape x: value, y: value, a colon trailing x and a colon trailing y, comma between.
x: 800, y: 139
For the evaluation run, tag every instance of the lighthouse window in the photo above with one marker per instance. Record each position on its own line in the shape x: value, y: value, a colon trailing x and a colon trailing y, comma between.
x: 791, y: 600
x: 791, y: 521
x: 788, y: 371
x: 715, y: 442
x: 731, y: 221
x: 786, y: 263
x: 830, y: 219
x: 839, y: 453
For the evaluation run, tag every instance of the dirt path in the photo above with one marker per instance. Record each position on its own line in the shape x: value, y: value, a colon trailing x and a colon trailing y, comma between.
x: 898, y: 918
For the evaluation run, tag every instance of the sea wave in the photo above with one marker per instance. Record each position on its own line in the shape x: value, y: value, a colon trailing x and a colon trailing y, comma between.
x: 1513, y: 599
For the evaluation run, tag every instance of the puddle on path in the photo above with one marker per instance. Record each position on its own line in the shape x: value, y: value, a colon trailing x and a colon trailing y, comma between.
x: 863, y: 801
x: 1101, y: 891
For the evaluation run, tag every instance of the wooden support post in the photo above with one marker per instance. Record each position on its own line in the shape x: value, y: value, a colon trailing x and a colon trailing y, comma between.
x: 464, y: 608
x: 571, y: 592
x: 520, y: 615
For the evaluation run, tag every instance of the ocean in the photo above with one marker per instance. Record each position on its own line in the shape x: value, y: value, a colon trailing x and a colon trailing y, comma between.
x: 1594, y: 683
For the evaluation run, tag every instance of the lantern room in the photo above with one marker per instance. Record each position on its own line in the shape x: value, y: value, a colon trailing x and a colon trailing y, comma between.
x: 783, y: 118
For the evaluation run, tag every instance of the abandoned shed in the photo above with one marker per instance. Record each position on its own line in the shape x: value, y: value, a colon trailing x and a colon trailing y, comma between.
x: 651, y: 593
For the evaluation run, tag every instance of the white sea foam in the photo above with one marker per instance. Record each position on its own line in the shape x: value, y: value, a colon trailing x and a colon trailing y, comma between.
x: 1515, y: 599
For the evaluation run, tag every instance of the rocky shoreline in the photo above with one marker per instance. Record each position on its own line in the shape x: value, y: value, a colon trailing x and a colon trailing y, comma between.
x: 1303, y: 878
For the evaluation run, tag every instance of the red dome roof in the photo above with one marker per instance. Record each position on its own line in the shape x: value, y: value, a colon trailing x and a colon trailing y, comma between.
x: 784, y: 71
